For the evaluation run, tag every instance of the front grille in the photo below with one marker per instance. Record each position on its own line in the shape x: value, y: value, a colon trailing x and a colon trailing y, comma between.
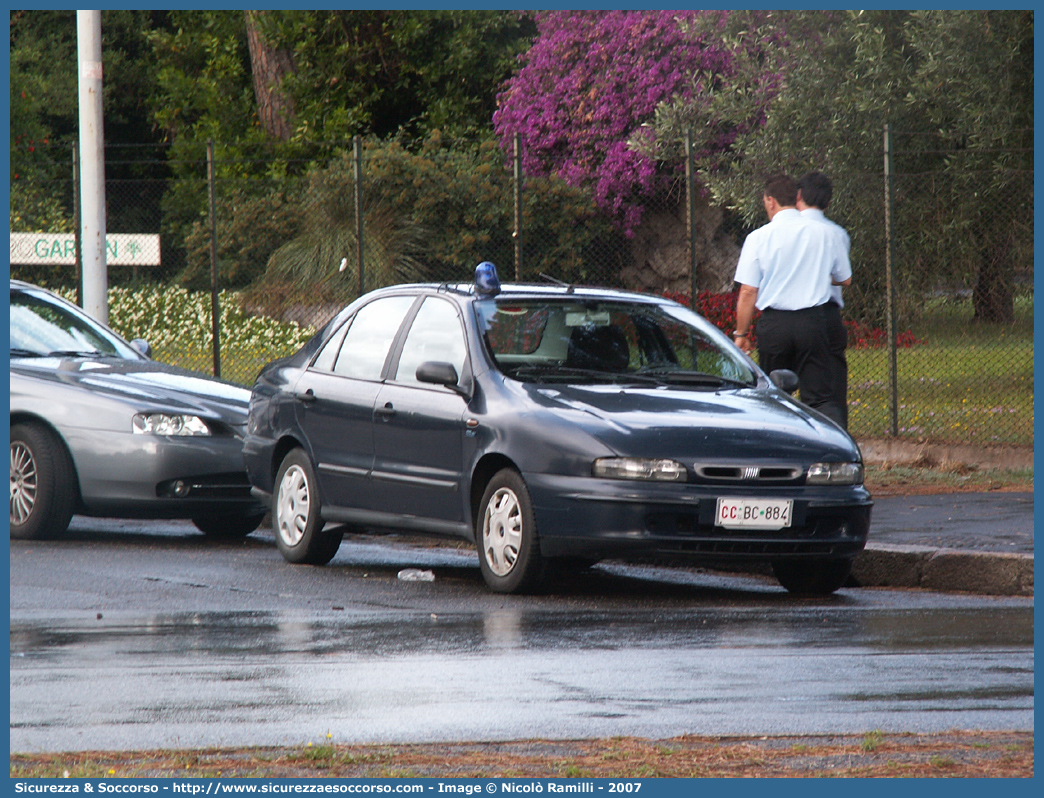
x: 747, y: 473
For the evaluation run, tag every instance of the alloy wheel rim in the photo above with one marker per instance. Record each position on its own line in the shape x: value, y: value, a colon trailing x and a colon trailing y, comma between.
x: 502, y: 532
x: 23, y: 483
x: 293, y: 505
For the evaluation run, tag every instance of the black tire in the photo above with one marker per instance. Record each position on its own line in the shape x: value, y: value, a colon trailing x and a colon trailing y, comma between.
x: 228, y: 527
x: 296, y: 518
x: 43, y: 483
x: 506, y: 535
x: 812, y: 577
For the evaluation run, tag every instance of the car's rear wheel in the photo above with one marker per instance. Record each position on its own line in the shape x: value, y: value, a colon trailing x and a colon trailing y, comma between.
x: 298, y: 526
x: 812, y: 577
x: 228, y: 527
x: 509, y: 550
x: 43, y: 483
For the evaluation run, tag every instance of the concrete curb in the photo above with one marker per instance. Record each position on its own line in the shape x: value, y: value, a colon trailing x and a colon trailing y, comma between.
x: 888, y: 450
x: 988, y: 573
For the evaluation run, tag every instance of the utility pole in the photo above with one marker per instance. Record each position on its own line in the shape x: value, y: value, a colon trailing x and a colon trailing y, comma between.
x: 92, y: 166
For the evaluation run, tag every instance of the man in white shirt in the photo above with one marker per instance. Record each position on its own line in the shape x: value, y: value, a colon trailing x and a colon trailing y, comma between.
x: 787, y: 270
x: 814, y: 194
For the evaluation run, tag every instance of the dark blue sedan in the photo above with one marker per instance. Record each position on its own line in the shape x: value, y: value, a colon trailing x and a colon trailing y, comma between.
x: 552, y: 426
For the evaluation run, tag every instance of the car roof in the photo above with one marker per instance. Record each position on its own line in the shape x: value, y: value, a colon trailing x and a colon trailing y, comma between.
x: 530, y: 290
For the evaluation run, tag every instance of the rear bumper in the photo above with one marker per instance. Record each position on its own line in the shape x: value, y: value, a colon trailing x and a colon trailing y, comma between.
x: 258, y: 455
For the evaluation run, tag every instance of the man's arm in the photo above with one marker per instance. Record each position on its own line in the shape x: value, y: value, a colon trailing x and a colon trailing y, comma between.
x: 748, y: 295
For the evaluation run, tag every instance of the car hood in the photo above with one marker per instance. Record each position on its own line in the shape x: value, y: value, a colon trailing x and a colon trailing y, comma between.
x: 143, y: 383
x: 724, y: 425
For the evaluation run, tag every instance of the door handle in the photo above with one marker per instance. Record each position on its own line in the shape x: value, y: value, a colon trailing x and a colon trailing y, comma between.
x: 385, y: 412
x: 307, y: 397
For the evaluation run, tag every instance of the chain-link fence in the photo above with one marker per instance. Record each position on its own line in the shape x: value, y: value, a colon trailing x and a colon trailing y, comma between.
x: 940, y: 315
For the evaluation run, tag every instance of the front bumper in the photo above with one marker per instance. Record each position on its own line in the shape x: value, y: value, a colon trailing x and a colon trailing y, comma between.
x: 599, y: 518
x: 145, y: 476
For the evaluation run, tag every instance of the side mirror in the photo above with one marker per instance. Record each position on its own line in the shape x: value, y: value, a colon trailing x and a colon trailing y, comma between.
x: 785, y: 380
x: 142, y: 346
x: 439, y: 373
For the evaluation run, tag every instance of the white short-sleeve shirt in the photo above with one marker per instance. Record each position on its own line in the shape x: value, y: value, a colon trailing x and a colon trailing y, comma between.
x: 792, y: 261
x: 843, y: 241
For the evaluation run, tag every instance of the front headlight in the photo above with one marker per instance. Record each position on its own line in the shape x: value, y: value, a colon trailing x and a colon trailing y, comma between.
x: 164, y: 424
x: 835, y: 474
x: 639, y: 468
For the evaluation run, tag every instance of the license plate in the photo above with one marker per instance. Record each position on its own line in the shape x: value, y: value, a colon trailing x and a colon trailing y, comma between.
x: 753, y: 513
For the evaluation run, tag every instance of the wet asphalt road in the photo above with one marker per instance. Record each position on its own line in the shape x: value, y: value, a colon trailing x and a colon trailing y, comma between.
x: 125, y: 640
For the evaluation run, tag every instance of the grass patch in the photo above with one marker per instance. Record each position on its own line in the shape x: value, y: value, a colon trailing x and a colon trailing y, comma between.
x: 884, y: 754
x: 884, y: 478
x: 968, y: 382
x: 872, y: 741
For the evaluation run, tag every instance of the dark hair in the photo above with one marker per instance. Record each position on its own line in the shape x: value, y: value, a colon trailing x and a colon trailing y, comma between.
x: 816, y: 189
x: 782, y: 188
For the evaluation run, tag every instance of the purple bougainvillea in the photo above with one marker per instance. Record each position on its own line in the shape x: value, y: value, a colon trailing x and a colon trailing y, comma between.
x: 588, y: 85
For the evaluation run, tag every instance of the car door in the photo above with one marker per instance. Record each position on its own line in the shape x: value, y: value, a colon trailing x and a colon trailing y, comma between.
x: 419, y: 427
x: 335, y: 398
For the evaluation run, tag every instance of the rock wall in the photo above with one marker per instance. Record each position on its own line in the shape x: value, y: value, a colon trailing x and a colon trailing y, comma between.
x: 660, y: 253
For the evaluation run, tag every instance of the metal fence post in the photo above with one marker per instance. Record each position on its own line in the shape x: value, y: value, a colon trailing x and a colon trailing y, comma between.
x: 893, y: 382
x: 690, y: 222
x: 357, y: 167
x: 516, y: 235
x: 215, y: 309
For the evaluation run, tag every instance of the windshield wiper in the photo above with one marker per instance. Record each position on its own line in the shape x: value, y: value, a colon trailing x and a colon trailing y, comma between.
x: 16, y: 352
x: 560, y: 373
x: 76, y: 353
x: 675, y: 375
x: 701, y: 378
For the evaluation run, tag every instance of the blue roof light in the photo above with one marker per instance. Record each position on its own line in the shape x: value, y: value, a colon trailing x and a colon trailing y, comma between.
x: 486, y: 281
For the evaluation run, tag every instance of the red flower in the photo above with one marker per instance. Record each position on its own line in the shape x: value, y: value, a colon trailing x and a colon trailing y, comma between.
x: 720, y: 310
x: 861, y: 336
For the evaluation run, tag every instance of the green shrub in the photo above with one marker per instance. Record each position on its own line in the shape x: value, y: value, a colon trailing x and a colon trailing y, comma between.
x: 255, y: 217
x: 431, y: 211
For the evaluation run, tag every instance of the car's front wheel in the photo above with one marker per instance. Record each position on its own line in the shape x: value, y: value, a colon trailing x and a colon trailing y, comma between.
x: 227, y: 527
x: 509, y: 550
x: 298, y: 525
x: 812, y: 577
x: 43, y: 483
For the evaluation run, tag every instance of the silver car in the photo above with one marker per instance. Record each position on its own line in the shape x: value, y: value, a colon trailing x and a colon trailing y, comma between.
x: 98, y: 428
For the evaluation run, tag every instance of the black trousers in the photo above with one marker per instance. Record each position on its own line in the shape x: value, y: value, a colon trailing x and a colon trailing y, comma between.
x: 838, y: 339
x: 806, y: 342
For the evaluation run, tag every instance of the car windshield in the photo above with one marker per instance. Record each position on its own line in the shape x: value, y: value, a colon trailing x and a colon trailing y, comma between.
x: 542, y: 340
x: 41, y: 327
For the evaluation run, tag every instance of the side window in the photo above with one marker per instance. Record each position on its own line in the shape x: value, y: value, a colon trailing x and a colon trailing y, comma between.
x: 373, y: 329
x: 436, y: 334
x: 328, y: 354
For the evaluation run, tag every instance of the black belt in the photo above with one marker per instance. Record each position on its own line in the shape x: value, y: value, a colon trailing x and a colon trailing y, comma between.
x: 800, y: 310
